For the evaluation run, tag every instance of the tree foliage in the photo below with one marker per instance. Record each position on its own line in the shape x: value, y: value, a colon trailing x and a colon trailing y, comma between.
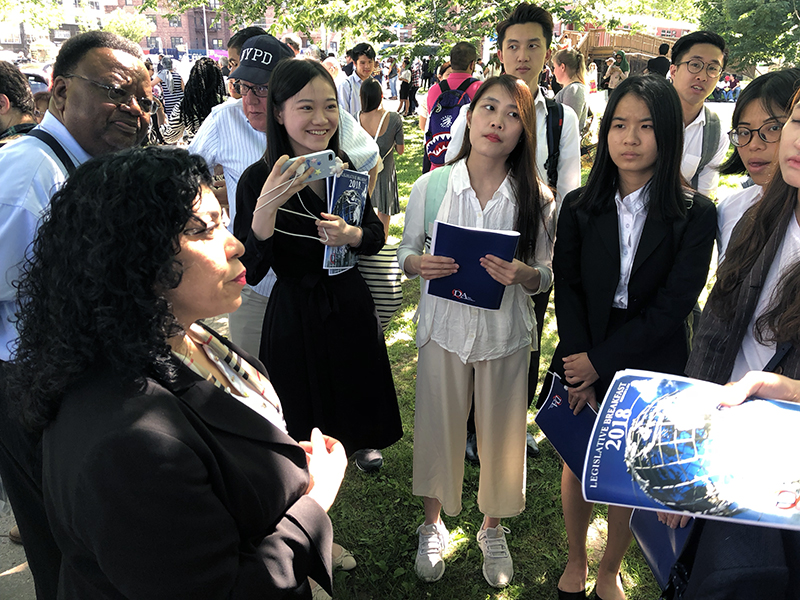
x: 757, y: 31
x: 133, y: 26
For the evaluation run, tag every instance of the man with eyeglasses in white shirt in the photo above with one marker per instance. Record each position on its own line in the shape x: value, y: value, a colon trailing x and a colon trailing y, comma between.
x: 698, y: 60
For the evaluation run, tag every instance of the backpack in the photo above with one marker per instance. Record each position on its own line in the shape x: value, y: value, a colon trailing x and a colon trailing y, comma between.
x: 555, y: 123
x: 442, y: 117
x: 711, y: 132
x: 434, y: 195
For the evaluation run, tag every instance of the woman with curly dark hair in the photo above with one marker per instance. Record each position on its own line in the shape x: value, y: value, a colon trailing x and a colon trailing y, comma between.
x: 204, y: 89
x: 167, y: 469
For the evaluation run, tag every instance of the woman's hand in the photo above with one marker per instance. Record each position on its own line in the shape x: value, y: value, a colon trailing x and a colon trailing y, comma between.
x: 327, y: 462
x: 673, y: 521
x: 335, y: 231
x: 428, y: 266
x: 277, y: 189
x: 580, y: 398
x: 763, y: 384
x: 579, y: 369
x: 510, y: 273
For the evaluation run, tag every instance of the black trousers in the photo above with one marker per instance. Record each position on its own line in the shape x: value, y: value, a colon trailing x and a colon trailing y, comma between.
x: 21, y: 471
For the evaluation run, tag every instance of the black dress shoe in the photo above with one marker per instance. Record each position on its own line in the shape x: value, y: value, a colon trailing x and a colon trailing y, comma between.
x: 471, y: 453
x: 533, y: 447
x: 368, y: 460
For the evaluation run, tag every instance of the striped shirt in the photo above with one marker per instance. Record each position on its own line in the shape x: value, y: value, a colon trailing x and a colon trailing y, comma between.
x: 226, y: 138
x: 171, y: 95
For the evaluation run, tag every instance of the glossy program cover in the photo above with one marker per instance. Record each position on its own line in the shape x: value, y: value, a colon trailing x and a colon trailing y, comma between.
x: 662, y: 442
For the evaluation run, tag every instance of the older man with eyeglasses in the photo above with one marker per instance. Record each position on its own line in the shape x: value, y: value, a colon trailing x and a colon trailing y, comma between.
x: 101, y: 102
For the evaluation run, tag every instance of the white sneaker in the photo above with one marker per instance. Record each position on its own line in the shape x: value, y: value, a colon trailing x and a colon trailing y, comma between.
x: 429, y: 562
x: 498, y: 568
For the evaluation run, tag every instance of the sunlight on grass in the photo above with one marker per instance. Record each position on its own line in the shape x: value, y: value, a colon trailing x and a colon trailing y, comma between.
x: 458, y: 539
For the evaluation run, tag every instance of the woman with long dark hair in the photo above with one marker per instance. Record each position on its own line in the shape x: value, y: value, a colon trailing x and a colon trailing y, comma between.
x: 757, y: 122
x: 631, y: 257
x: 492, y: 184
x: 322, y: 342
x: 204, y: 89
x: 167, y: 469
x: 752, y: 319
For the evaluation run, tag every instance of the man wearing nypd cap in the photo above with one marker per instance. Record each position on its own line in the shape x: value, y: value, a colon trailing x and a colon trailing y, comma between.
x: 234, y: 136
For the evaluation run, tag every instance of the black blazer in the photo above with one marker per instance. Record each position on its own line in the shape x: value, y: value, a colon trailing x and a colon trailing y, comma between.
x: 669, y: 272
x: 177, y: 490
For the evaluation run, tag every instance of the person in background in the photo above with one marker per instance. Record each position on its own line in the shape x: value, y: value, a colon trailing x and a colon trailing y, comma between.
x: 386, y: 128
x: 622, y: 62
x: 569, y: 68
x: 41, y: 101
x: 698, y: 60
x: 204, y: 90
x: 293, y: 42
x: 171, y: 85
x: 144, y: 409
x: 660, y: 64
x: 17, y: 106
x: 405, y: 86
x: 613, y: 75
x: 392, y: 75
x: 349, y: 90
x: 757, y: 122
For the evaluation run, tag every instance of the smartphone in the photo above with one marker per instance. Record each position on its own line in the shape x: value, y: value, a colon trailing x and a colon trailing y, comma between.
x: 323, y: 163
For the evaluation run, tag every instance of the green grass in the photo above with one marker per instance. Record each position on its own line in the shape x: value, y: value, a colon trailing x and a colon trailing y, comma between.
x: 375, y: 516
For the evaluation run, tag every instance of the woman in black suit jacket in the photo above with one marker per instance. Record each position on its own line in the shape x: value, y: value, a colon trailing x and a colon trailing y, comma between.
x: 167, y: 469
x: 631, y: 257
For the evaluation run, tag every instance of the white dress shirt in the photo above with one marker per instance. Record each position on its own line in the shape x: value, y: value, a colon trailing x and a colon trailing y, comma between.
x: 754, y: 355
x: 693, y: 153
x: 349, y: 91
x: 569, y: 158
x: 226, y: 138
x: 631, y: 216
x: 472, y: 333
x: 729, y: 211
x: 30, y: 173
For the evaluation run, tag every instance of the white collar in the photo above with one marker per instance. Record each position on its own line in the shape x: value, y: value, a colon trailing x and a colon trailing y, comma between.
x: 58, y: 130
x: 635, y: 201
x: 460, y: 181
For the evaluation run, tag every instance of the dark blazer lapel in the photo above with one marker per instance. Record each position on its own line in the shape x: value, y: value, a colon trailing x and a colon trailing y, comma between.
x: 608, y: 227
x: 654, y: 232
x: 751, y: 287
x: 221, y: 410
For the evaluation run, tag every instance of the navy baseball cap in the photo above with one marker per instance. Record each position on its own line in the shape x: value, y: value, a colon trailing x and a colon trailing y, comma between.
x: 259, y: 56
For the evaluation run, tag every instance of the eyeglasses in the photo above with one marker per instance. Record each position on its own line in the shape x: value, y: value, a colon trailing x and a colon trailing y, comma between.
x: 768, y: 132
x: 696, y: 65
x: 120, y: 96
x: 260, y: 91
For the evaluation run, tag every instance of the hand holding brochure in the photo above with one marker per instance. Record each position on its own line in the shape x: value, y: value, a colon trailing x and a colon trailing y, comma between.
x: 568, y: 433
x: 662, y: 442
x: 347, y: 196
x: 471, y: 284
